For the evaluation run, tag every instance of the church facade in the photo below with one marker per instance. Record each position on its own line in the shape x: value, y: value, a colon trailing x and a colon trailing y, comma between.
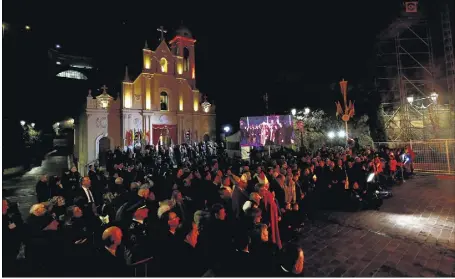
x: 161, y: 106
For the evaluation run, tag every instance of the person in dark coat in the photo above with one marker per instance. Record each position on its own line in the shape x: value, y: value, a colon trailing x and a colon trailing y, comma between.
x: 12, y: 237
x: 78, y: 243
x: 113, y: 259
x: 263, y: 251
x: 323, y: 185
x: 170, y: 244
x: 43, y: 191
x: 219, y: 237
x: 242, y: 262
x: 191, y: 261
x: 291, y: 261
x: 43, y: 243
x: 239, y: 197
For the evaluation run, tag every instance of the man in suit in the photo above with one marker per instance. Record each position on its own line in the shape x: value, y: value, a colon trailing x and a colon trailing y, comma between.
x: 239, y: 197
x: 88, y: 201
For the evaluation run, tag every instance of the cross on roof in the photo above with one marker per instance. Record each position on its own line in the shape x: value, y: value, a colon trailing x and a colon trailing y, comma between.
x: 104, y: 88
x: 161, y: 29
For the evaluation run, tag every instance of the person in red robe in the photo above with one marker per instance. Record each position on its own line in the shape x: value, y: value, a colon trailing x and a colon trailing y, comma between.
x: 269, y: 210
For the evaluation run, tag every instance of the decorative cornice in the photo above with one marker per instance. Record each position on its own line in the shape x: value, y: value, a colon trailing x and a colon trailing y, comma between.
x: 96, y: 111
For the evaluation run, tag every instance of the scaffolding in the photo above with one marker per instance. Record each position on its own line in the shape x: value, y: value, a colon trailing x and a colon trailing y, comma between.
x: 449, y: 60
x: 405, y: 79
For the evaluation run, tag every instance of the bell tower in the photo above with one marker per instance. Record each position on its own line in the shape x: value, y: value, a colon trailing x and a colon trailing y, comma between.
x: 182, y: 46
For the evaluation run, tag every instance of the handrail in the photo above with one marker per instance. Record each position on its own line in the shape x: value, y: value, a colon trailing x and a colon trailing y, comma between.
x: 144, y: 263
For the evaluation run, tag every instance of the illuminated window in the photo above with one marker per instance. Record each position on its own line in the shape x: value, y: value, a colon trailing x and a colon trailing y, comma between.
x: 81, y: 66
x: 163, y: 63
x: 186, y: 60
x: 164, y: 101
x: 72, y: 74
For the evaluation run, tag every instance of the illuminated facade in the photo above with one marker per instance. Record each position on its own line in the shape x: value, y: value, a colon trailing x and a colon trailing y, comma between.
x: 163, y: 102
x: 161, y: 106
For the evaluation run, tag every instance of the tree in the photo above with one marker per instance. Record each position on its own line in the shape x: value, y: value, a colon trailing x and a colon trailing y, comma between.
x: 318, y: 124
x: 31, y: 136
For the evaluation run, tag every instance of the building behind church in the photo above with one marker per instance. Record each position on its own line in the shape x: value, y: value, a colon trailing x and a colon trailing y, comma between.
x: 161, y: 106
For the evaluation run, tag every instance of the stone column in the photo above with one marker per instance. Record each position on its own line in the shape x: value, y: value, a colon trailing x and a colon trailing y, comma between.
x: 151, y: 129
x: 146, y: 125
x: 130, y: 122
x: 125, y: 127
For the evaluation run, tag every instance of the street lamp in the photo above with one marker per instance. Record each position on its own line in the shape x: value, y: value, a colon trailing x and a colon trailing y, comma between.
x: 293, y: 111
x: 331, y: 135
x: 57, y: 46
x: 306, y: 111
x: 22, y: 123
x: 206, y: 105
x: 33, y: 125
x: 434, y: 97
x: 410, y: 99
x: 341, y: 134
x: 226, y: 129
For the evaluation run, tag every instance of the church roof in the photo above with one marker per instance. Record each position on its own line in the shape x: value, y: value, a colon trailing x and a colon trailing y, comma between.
x: 183, y: 31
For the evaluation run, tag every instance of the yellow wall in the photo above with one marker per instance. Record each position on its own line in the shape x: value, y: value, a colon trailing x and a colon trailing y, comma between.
x: 148, y: 94
x: 147, y: 63
x: 127, y: 95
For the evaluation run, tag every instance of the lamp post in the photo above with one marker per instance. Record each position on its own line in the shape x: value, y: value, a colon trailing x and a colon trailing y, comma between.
x: 348, y: 111
x: 293, y: 111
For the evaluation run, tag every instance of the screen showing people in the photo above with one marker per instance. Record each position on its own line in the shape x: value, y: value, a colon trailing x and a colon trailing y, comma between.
x: 266, y: 130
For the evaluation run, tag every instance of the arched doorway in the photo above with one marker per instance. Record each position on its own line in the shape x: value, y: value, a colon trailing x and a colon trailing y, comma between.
x: 104, y: 145
x: 206, y: 138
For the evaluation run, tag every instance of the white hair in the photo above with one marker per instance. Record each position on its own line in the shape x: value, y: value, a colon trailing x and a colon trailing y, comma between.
x: 35, y: 207
x: 247, y: 205
x: 163, y: 209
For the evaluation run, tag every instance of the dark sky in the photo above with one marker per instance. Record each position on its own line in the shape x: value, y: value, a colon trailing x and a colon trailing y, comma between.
x: 292, y: 51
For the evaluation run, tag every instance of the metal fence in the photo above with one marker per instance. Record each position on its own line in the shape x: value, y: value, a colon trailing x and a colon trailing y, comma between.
x: 437, y: 156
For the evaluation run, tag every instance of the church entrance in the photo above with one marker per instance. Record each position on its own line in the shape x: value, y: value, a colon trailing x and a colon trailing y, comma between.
x: 103, y: 146
x: 206, y: 138
x: 164, y: 134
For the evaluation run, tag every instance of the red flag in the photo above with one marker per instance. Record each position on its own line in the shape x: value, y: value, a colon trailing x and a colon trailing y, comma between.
x: 411, y: 7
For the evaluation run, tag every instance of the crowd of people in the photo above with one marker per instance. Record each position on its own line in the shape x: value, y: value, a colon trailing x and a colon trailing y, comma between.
x: 189, y: 211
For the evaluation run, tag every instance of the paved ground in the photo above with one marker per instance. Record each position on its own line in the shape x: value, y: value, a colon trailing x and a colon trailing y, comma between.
x: 21, y: 189
x: 412, y: 235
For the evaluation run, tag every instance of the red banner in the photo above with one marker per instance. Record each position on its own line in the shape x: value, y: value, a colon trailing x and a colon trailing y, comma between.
x: 167, y: 132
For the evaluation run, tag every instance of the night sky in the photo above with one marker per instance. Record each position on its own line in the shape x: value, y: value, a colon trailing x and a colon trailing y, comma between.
x: 295, y: 53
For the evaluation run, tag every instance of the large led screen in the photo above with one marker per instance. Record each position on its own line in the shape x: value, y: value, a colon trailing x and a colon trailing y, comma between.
x: 266, y: 130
